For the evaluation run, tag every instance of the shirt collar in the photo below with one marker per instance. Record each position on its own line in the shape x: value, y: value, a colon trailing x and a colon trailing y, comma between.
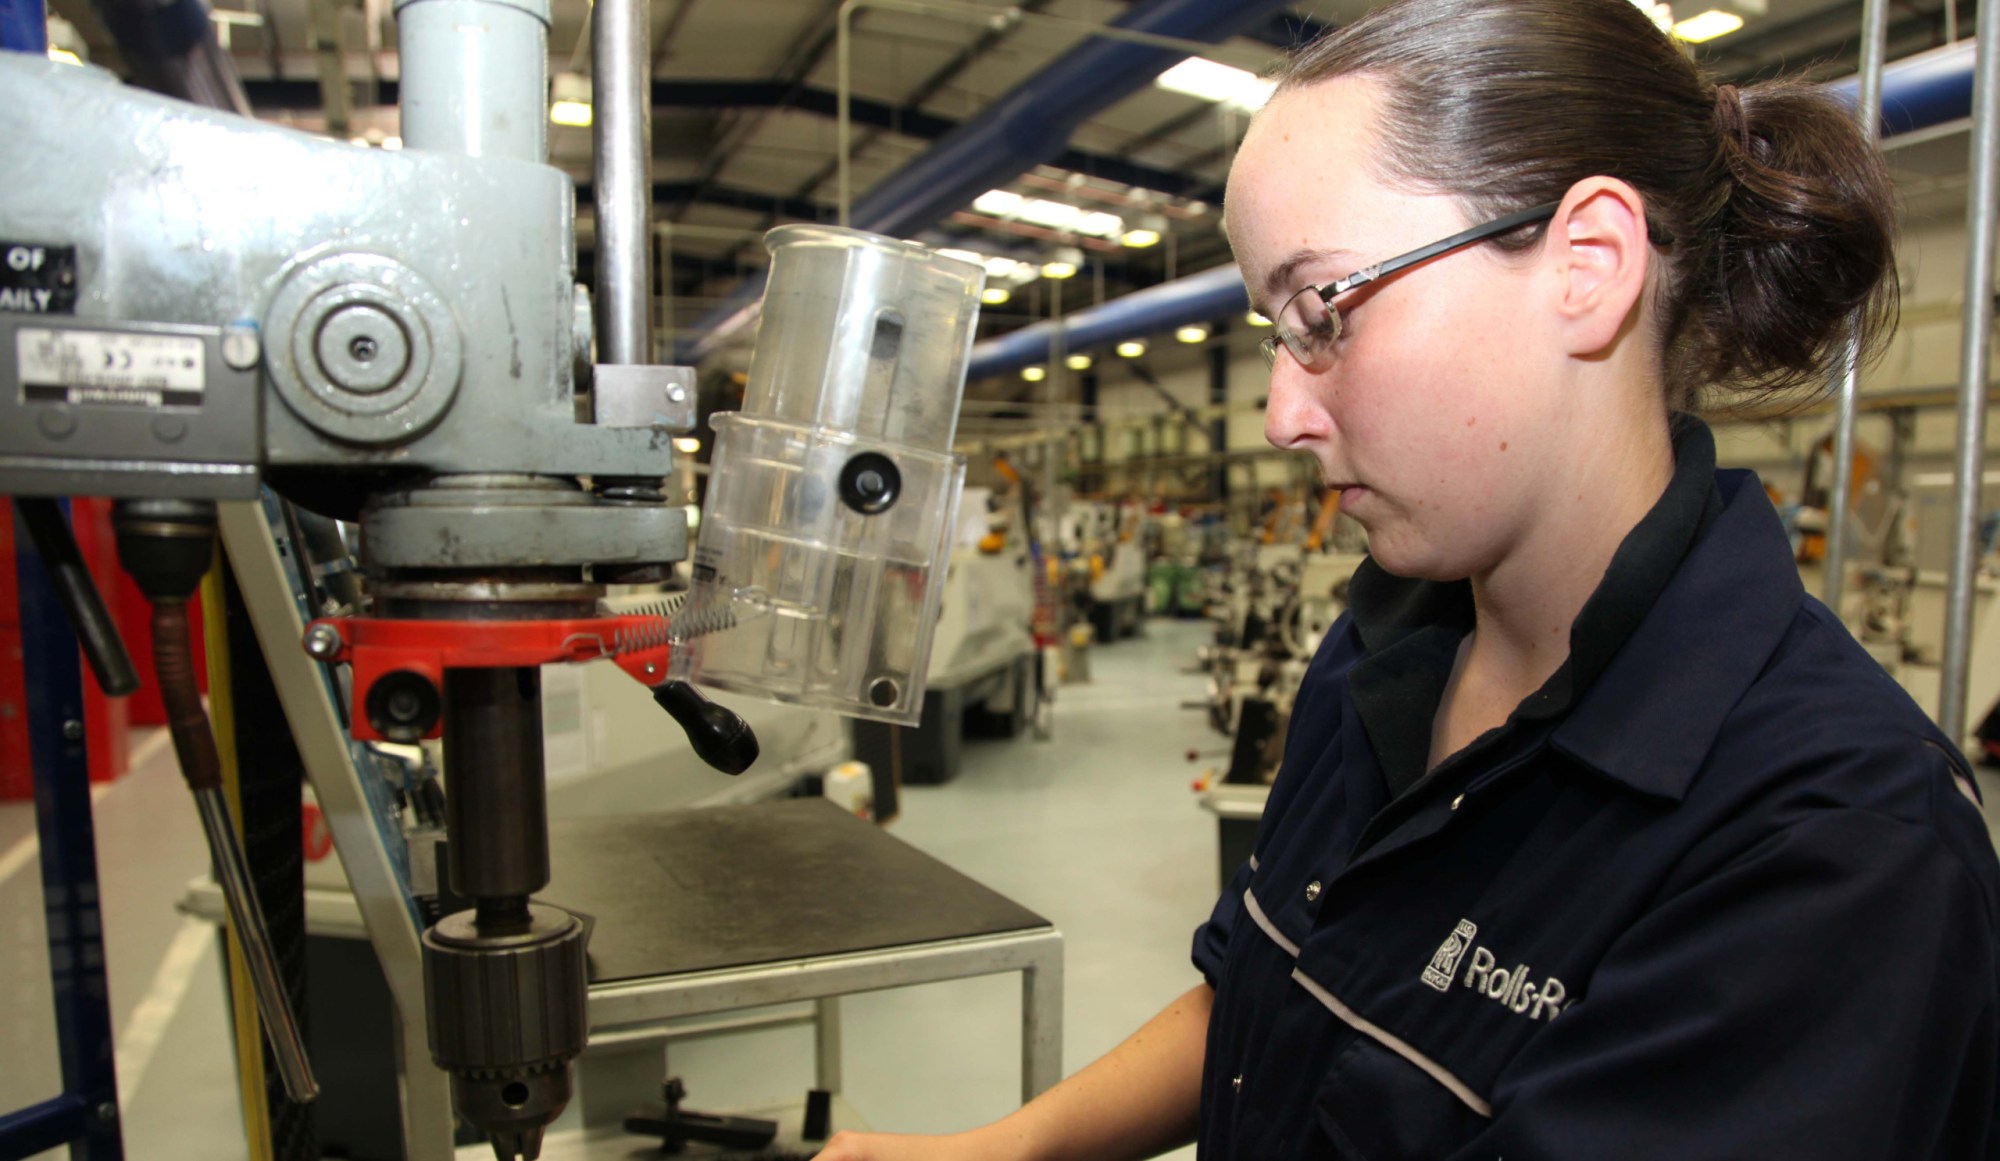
x: 1410, y: 628
x: 1653, y: 715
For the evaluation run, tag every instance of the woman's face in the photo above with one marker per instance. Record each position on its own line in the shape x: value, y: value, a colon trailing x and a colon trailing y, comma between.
x: 1437, y: 414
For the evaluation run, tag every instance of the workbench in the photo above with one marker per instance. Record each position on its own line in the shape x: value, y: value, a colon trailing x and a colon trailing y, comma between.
x: 779, y: 906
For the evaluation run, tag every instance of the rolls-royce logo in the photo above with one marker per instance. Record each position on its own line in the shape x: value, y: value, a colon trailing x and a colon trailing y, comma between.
x: 1444, y: 964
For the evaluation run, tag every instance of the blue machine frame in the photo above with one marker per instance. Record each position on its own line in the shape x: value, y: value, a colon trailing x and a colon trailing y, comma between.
x: 85, y: 1116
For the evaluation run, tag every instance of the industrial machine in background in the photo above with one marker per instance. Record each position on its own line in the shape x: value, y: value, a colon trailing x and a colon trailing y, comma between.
x: 1104, y: 562
x: 398, y: 340
x: 1275, y: 607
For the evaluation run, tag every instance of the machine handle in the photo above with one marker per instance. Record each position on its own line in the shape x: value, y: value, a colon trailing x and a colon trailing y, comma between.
x: 95, y: 630
x: 719, y: 735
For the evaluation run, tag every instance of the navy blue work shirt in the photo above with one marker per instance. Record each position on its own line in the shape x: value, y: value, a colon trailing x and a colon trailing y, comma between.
x: 1718, y: 890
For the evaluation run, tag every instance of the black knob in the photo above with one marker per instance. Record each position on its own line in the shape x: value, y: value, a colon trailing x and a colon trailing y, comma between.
x: 870, y: 483
x: 719, y: 736
x: 403, y: 706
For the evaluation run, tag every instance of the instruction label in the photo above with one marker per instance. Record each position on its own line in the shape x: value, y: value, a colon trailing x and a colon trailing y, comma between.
x: 37, y: 279
x: 107, y: 367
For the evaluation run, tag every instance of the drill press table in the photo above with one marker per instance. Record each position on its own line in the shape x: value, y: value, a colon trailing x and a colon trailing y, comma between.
x: 707, y: 911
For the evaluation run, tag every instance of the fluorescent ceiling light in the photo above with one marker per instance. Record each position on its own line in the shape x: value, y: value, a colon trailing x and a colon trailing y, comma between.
x: 1059, y: 269
x: 999, y: 203
x: 64, y: 55
x: 1050, y: 215
x: 1709, y: 25
x: 1100, y: 225
x: 995, y: 295
x: 1256, y: 320
x: 392, y: 143
x: 575, y: 113
x: 687, y: 444
x: 1077, y: 362
x: 1131, y: 349
x: 1034, y: 374
x: 972, y: 256
x: 1213, y: 81
x: 1195, y: 333
x: 1140, y: 237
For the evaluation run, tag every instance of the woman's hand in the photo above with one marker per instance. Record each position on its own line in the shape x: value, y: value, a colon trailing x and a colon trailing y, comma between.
x: 850, y: 1146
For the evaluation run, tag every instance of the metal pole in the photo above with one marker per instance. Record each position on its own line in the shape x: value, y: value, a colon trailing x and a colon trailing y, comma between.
x: 621, y: 137
x: 843, y: 34
x: 232, y: 873
x: 1058, y: 386
x: 1974, y: 356
x: 1868, y: 113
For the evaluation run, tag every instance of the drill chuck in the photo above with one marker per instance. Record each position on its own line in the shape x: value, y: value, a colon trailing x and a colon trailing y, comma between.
x: 507, y: 1015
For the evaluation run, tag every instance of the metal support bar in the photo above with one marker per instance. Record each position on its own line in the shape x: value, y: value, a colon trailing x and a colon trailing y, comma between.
x: 621, y: 94
x: 1868, y: 113
x: 1975, y: 354
x: 1041, y: 1027
x: 1036, y: 953
x: 49, y: 1125
x: 826, y: 1044
x: 378, y: 888
x: 86, y: 1115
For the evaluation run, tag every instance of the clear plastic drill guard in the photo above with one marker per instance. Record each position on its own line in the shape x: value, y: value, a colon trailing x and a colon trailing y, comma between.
x: 833, y: 494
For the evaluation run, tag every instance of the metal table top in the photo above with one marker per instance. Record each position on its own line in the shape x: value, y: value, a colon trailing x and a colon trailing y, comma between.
x: 699, y: 890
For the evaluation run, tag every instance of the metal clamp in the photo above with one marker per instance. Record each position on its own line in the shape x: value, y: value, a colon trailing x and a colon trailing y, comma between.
x: 642, y: 395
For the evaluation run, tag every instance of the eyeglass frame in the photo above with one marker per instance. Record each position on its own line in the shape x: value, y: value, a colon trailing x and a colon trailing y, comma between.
x: 1296, y: 344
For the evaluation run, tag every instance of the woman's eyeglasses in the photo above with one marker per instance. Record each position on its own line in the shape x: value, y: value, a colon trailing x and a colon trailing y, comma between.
x: 1309, y: 322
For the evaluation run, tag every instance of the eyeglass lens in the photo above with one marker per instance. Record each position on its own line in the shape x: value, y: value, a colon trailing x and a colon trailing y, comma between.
x: 1308, y: 327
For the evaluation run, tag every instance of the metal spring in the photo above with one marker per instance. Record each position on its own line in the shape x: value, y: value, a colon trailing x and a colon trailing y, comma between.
x: 651, y: 634
x: 701, y: 622
x: 669, y: 624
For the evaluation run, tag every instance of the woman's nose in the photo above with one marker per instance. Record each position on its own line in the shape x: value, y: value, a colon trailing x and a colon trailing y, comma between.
x: 1293, y: 413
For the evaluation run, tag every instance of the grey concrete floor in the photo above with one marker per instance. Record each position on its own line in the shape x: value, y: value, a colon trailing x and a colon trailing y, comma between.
x: 1095, y: 828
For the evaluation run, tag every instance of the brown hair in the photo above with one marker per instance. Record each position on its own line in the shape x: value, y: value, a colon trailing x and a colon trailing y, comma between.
x: 1774, y: 216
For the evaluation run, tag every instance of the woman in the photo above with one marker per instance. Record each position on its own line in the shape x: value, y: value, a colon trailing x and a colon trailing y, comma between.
x: 1596, y: 837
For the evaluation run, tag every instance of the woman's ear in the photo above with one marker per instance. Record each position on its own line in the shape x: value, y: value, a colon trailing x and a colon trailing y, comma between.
x: 1597, y: 243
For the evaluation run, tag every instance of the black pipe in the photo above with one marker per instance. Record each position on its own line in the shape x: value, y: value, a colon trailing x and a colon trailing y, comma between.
x: 95, y: 630
x: 496, y: 801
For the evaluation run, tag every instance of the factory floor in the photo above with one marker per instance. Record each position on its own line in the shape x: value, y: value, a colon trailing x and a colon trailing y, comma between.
x: 1095, y: 828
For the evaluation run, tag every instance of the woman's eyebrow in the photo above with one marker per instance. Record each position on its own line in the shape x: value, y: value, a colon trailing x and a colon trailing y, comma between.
x: 1278, y: 283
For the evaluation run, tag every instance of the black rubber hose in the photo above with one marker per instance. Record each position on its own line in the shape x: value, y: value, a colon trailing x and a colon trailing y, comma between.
x: 95, y: 630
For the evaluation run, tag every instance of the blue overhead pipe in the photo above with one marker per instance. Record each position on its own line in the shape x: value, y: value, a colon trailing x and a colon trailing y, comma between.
x: 1033, y: 120
x: 1027, y: 126
x: 1918, y: 91
x: 1214, y: 293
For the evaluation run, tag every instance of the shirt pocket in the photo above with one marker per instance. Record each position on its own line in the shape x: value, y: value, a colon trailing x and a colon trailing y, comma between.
x: 1376, y: 1105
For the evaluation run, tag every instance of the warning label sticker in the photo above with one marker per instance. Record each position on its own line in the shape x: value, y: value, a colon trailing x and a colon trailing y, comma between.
x: 37, y: 279
x: 106, y: 367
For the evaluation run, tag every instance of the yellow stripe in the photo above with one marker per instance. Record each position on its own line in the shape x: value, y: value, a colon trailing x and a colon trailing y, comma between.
x: 242, y: 1001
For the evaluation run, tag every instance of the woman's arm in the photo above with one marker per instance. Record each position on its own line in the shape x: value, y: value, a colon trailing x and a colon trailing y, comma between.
x: 1138, y: 1100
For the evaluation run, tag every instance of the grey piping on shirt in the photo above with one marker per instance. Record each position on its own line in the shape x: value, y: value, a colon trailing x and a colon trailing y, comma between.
x: 1961, y: 777
x: 1256, y: 911
x: 1395, y: 1044
x: 1253, y: 862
